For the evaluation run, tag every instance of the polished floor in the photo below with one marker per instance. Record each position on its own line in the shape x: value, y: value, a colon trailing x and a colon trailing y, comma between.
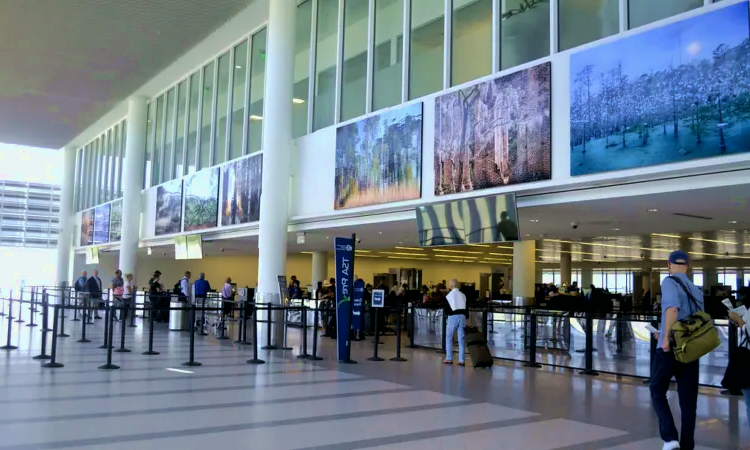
x: 154, y: 402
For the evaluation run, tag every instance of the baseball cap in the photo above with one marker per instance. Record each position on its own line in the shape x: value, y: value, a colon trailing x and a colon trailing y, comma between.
x: 679, y: 257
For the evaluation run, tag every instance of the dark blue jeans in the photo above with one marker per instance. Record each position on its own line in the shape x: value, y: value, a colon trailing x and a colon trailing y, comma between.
x: 663, y: 369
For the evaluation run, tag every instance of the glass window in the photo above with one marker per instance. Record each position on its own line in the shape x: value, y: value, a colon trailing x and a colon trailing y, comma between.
x: 641, y: 12
x: 192, y: 138
x: 598, y: 279
x: 123, y: 146
x: 388, y: 58
x: 238, y: 100
x: 746, y: 281
x: 150, y: 114
x: 208, y: 94
x: 110, y: 161
x: 728, y: 278
x: 179, y: 144
x: 524, y: 34
x: 84, y: 178
x: 257, y: 85
x: 354, y: 69
x: 471, y: 49
x: 325, y: 63
x: 117, y: 161
x: 167, y: 168
x: 159, y: 142
x: 77, y: 183
x: 301, y: 68
x: 222, y: 102
x: 583, y: 22
x: 698, y: 278
x: 426, y: 47
x: 99, y: 170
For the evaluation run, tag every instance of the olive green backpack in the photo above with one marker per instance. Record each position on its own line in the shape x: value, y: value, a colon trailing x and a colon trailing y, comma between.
x: 695, y: 336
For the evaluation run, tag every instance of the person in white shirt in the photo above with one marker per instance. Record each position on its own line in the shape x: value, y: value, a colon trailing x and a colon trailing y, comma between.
x: 456, y: 322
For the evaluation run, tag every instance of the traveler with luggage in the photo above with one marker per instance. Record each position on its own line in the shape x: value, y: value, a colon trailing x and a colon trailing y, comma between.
x: 457, y: 315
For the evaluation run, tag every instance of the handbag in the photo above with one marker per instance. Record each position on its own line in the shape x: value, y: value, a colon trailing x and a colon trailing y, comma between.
x: 695, y: 336
x: 737, y: 375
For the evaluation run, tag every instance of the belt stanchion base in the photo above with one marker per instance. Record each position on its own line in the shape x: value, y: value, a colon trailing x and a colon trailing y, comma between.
x: 20, y: 310
x: 532, y: 343
x: 110, y: 318
x: 303, y: 351
x: 33, y: 311
x: 53, y: 358
x: 314, y: 356
x: 43, y: 355
x: 192, y: 362
x: 398, y: 357
x: 123, y: 325
x: 255, y: 359
x: 589, y: 357
x: 376, y: 341
x: 7, y: 345
x: 150, y: 350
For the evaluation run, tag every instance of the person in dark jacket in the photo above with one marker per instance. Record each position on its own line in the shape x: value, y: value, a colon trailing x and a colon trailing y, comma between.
x: 94, y: 288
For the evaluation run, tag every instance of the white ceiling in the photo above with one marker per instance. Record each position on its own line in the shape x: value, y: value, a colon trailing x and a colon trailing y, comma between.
x: 67, y: 62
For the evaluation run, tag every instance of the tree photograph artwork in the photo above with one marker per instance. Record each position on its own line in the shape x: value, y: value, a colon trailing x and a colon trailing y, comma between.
x: 242, y: 182
x: 87, y: 227
x: 115, y: 221
x: 101, y: 224
x: 168, y: 208
x: 379, y: 158
x: 672, y: 94
x: 494, y: 133
x: 202, y: 200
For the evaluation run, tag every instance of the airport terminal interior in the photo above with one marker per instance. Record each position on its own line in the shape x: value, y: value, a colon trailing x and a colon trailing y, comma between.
x: 332, y: 168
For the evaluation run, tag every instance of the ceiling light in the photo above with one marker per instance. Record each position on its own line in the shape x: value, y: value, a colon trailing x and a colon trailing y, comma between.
x: 380, y: 232
x: 411, y: 248
x: 533, y: 220
x: 421, y: 255
x: 298, y: 101
x: 666, y: 235
x: 479, y: 245
x: 732, y: 222
x: 500, y: 254
x: 401, y: 257
x: 577, y: 253
x: 327, y: 237
x: 653, y: 210
x: 454, y: 256
x: 615, y: 229
x: 457, y: 251
x: 457, y: 260
x: 712, y: 240
x: 528, y: 235
x: 255, y: 117
x: 358, y: 255
x: 238, y: 67
x: 362, y: 251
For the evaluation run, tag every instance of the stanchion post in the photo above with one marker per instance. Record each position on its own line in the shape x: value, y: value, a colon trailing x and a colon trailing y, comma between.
x: 412, y: 331
x: 268, y: 345
x: 83, y: 330
x: 132, y: 315
x: 589, y: 355
x: 75, y: 310
x: 255, y: 359
x: 284, y: 325
x: 445, y: 327
x: 376, y: 342
x: 192, y: 362
x: 20, y: 309
x: 7, y: 345
x: 532, y: 342
x: 62, y: 320
x: 123, y: 312
x: 33, y: 311
x: 398, y: 357
x: 110, y: 318
x: 203, y: 317
x: 314, y: 356
x: 106, y: 327
x: 303, y: 351
x: 45, y: 311
x: 244, y: 329
x: 45, y: 305
x: 53, y: 358
x: 240, y: 323
x: 150, y: 333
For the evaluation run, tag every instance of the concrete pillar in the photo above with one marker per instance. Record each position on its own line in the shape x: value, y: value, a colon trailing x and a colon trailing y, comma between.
x: 277, y: 142
x: 64, y: 243
x: 565, y: 264
x: 587, y: 277
x: 319, y: 268
x: 524, y: 265
x: 132, y: 183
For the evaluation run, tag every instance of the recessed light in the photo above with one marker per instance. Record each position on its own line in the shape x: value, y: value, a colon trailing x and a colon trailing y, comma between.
x: 297, y: 101
x: 327, y: 237
x: 238, y: 67
x: 256, y: 117
x: 380, y: 232
x: 653, y: 210
x: 615, y: 229
x: 732, y: 222
x: 528, y: 235
x: 533, y: 220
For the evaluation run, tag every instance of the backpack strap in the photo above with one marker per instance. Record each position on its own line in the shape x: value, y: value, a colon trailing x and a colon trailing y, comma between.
x: 687, y: 291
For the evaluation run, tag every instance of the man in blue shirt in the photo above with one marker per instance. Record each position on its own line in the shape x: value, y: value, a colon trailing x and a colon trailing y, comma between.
x: 680, y: 299
x: 202, y: 286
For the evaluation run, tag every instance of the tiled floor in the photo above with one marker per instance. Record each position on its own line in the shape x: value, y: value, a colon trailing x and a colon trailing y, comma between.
x: 153, y: 402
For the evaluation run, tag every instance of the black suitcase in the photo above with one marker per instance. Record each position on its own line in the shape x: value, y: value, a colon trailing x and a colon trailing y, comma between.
x: 479, y: 352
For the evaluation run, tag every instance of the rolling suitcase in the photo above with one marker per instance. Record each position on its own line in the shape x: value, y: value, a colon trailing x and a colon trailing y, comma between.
x: 479, y: 352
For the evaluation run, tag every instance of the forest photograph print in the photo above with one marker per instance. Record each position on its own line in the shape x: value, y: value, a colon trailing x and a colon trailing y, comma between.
x: 101, y: 223
x: 379, y: 158
x: 168, y: 208
x: 87, y: 227
x: 202, y: 200
x: 240, y: 198
x: 115, y: 221
x: 494, y: 133
x: 672, y: 94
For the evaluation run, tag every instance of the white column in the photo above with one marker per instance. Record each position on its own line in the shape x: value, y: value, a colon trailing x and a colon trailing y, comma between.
x: 587, y: 277
x: 277, y: 142
x: 524, y: 266
x: 64, y: 242
x: 565, y: 264
x: 132, y: 183
x: 319, y: 268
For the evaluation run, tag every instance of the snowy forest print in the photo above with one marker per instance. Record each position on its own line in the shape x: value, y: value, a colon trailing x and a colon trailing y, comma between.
x: 379, y: 158
x: 494, y: 133
x: 672, y: 94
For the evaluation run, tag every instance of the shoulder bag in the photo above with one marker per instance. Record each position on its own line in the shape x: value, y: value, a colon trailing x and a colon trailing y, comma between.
x: 695, y: 336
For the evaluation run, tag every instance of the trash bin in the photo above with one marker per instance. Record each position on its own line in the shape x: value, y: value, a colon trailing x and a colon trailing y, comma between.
x: 178, y: 318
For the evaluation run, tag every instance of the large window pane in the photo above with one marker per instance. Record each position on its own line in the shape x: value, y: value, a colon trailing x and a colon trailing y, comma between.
x: 524, y: 34
x: 257, y: 85
x: 426, y: 47
x: 159, y: 143
x: 208, y: 94
x: 472, y: 40
x: 150, y: 122
x: 354, y: 70
x: 180, y: 142
x: 583, y: 22
x: 222, y: 102
x: 99, y: 170
x: 238, y: 100
x: 77, y: 184
x: 117, y: 167
x: 123, y: 146
x: 325, y: 63
x: 85, y: 178
x: 302, y: 37
x: 108, y: 162
x: 167, y: 167
x: 641, y: 12
x: 192, y: 138
x: 389, y: 45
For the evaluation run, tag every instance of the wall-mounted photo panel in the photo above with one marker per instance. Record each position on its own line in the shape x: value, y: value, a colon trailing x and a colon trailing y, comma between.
x: 115, y: 221
x: 240, y: 199
x: 671, y: 94
x: 168, y: 208
x: 202, y: 200
x: 379, y: 158
x: 494, y: 133
x: 101, y: 224
x: 87, y: 227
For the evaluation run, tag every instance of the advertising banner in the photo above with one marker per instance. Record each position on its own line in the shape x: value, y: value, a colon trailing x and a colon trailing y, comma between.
x: 358, y: 312
x: 344, y: 254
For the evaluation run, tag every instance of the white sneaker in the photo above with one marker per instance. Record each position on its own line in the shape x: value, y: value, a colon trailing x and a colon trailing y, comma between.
x: 671, y: 445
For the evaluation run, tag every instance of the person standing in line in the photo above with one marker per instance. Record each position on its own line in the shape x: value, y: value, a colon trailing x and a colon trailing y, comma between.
x: 201, y: 286
x: 81, y: 289
x: 118, y: 290
x: 227, y: 293
x: 678, y: 296
x: 744, y: 323
x: 186, y: 291
x: 457, y: 315
x: 128, y: 291
x: 94, y: 285
x: 159, y: 299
